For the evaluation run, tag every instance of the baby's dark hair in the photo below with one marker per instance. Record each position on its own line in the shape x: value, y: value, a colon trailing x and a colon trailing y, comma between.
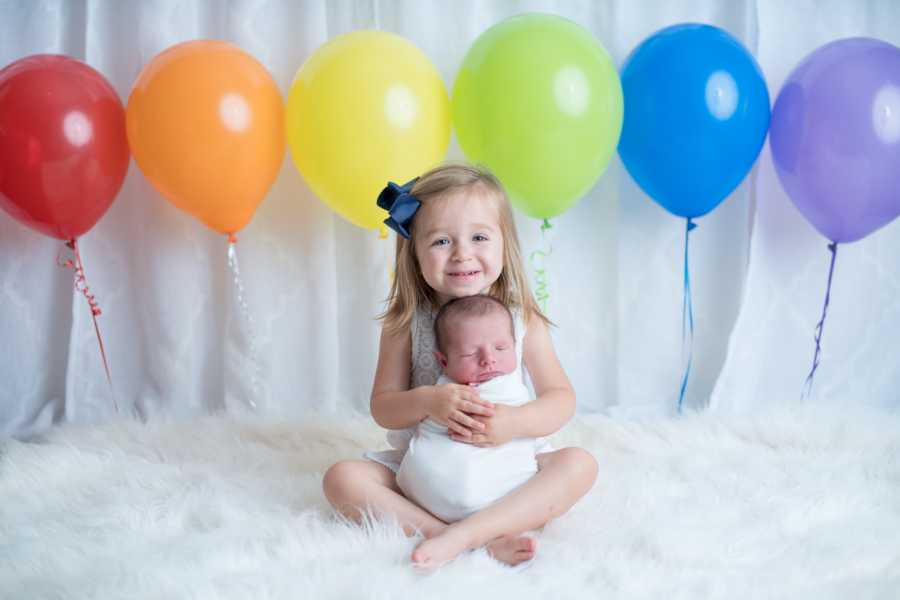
x: 477, y: 305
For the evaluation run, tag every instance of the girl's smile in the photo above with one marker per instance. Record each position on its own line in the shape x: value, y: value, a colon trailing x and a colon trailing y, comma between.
x: 464, y: 274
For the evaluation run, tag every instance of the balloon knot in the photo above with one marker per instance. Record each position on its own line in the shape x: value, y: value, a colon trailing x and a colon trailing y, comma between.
x: 232, y: 239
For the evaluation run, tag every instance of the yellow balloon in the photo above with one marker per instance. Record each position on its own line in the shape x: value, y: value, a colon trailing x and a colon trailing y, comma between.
x: 366, y: 108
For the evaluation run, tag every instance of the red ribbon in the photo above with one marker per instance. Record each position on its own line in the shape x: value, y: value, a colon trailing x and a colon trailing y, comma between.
x: 82, y: 287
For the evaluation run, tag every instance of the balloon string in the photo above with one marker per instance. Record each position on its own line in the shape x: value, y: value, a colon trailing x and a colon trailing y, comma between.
x: 541, y: 292
x: 245, y: 313
x: 687, y: 317
x: 82, y: 287
x: 807, y: 386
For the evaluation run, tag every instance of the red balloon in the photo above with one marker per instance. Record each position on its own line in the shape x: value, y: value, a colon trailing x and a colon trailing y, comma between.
x: 63, y: 146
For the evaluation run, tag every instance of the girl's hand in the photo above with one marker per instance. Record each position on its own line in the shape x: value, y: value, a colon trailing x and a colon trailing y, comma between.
x: 497, y: 429
x: 455, y: 407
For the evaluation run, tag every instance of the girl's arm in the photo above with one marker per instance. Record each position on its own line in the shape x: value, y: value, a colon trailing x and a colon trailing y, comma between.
x: 395, y: 406
x: 554, y: 404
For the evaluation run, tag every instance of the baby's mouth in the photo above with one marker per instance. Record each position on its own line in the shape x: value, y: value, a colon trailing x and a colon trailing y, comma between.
x: 483, y: 377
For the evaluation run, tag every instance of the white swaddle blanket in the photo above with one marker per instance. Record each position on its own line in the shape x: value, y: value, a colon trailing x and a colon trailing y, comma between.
x: 453, y: 479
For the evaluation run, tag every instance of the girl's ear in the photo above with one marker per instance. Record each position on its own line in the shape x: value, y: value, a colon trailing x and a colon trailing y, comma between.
x: 441, y: 358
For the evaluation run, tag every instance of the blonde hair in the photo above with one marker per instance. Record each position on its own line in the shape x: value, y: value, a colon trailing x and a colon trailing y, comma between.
x: 409, y: 288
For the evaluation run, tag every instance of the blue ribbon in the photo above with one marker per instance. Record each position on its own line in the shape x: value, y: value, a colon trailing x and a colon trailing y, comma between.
x: 400, y: 204
x: 687, y: 316
x: 807, y: 387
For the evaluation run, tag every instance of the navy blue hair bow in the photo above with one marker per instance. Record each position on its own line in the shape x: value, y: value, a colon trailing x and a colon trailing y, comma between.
x: 401, y: 204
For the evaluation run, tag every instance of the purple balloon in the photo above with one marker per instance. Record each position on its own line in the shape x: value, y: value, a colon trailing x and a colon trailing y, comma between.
x: 835, y: 137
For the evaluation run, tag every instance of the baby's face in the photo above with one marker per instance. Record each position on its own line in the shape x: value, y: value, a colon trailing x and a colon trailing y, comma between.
x: 478, y: 348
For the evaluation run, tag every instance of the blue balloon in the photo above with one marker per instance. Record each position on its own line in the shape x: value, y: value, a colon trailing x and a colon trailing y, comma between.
x: 696, y: 116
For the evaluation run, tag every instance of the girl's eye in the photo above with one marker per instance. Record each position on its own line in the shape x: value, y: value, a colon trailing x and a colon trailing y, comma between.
x: 500, y: 348
x: 440, y: 242
x: 479, y: 237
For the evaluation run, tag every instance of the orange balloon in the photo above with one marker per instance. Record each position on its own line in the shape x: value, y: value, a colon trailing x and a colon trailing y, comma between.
x: 205, y: 123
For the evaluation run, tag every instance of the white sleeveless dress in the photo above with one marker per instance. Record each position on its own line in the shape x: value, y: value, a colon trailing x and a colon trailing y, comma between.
x: 453, y: 488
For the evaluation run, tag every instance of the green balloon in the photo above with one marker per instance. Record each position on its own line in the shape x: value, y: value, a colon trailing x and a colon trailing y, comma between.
x: 538, y: 102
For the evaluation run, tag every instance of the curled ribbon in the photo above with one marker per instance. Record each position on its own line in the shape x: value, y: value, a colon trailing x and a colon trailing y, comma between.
x: 541, y: 292
x: 820, y: 326
x: 687, y: 317
x: 81, y: 286
x: 247, y: 316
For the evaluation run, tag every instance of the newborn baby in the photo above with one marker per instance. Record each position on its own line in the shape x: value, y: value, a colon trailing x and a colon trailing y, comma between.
x: 476, y: 345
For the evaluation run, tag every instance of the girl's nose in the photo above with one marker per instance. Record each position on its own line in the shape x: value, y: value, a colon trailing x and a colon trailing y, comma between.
x: 461, y: 252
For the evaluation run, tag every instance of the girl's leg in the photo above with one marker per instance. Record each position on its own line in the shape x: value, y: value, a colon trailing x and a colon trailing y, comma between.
x: 563, y: 477
x: 352, y: 486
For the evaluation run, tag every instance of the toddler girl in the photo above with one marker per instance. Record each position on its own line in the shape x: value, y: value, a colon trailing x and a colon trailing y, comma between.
x: 457, y: 238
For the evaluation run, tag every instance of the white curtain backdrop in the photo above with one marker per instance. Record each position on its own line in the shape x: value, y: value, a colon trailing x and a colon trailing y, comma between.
x: 177, y: 344
x: 771, y: 347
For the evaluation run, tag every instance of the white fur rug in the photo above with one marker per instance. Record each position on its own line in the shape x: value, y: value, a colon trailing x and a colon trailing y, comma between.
x: 790, y: 505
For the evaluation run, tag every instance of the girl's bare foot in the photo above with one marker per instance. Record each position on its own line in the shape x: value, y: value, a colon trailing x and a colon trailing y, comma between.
x: 449, y: 543
x: 440, y: 549
x: 512, y: 550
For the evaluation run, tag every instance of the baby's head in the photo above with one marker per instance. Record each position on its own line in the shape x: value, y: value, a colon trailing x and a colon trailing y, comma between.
x: 475, y: 339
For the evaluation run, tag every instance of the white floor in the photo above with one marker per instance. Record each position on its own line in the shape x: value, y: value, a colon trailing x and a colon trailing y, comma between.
x: 787, y: 505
